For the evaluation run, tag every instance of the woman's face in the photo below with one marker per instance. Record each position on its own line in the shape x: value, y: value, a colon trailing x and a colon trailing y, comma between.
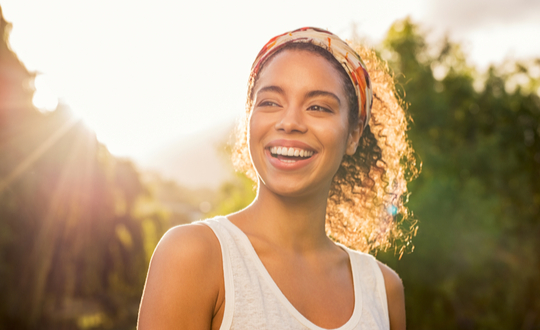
x: 299, y: 128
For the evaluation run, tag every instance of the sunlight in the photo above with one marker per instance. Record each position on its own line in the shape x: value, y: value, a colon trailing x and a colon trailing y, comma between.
x: 141, y: 96
x: 36, y: 154
x: 44, y: 98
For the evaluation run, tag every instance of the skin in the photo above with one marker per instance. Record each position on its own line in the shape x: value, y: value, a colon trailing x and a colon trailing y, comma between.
x: 299, y: 97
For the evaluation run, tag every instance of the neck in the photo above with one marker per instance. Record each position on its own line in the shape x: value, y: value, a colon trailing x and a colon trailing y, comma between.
x: 295, y: 223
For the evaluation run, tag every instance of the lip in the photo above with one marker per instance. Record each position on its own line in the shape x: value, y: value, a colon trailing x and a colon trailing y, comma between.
x: 278, y: 164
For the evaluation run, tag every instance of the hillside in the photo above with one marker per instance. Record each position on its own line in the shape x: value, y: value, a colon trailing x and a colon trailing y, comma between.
x: 196, y: 160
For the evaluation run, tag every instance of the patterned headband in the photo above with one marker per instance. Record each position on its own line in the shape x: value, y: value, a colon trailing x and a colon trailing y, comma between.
x: 342, y: 52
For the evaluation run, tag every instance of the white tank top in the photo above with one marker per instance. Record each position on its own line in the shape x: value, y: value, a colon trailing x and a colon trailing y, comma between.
x: 254, y: 301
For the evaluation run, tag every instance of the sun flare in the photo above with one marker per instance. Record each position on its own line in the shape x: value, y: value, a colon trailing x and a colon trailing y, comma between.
x: 45, y: 99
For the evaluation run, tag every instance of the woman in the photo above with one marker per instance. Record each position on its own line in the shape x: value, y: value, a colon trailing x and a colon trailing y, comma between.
x: 325, y: 172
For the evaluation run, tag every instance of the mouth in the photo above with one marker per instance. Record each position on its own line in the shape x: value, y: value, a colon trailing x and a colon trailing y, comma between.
x: 290, y: 155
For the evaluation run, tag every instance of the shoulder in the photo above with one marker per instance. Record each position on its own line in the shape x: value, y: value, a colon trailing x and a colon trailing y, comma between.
x: 392, y: 281
x: 395, y: 297
x: 188, y: 250
x: 185, y: 242
x: 184, y: 282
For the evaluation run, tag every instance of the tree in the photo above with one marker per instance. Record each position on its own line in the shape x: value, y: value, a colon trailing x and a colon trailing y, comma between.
x: 73, y: 239
x: 475, y: 263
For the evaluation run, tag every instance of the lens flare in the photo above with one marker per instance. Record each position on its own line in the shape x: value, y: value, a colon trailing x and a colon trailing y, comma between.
x: 45, y: 100
x: 392, y: 209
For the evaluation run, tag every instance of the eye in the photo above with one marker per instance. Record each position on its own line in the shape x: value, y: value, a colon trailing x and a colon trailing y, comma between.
x: 319, y: 108
x: 268, y: 104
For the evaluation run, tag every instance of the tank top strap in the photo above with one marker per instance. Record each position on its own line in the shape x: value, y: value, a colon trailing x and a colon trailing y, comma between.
x: 374, y: 291
x: 224, y: 239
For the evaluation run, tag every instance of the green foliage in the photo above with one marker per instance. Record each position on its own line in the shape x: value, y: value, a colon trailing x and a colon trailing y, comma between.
x: 235, y: 195
x: 475, y: 263
x: 181, y: 204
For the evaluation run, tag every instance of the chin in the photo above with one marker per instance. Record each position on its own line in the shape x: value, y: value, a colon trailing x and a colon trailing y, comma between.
x: 291, y: 189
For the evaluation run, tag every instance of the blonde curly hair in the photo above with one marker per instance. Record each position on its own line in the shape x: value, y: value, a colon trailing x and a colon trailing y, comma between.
x: 366, y: 203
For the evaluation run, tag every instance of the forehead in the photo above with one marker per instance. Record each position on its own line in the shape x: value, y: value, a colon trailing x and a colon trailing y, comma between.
x: 300, y: 68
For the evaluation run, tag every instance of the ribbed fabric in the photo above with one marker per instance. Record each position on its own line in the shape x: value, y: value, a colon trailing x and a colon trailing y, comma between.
x: 254, y: 301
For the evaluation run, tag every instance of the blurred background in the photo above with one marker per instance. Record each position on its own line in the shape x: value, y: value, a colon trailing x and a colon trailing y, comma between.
x: 116, y: 121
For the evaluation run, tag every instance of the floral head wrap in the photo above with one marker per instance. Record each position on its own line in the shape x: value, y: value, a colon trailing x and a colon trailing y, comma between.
x: 342, y: 52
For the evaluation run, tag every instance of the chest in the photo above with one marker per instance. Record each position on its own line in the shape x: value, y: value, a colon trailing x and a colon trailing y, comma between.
x: 265, y: 292
x: 320, y: 290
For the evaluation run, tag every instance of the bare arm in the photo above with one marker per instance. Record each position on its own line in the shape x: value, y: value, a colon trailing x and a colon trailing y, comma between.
x: 184, y: 287
x: 395, y: 296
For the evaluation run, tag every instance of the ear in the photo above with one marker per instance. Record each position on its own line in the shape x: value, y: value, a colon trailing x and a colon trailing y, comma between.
x: 353, y: 139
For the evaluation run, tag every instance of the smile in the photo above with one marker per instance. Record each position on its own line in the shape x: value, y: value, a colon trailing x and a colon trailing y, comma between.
x: 290, y: 155
x: 290, y: 152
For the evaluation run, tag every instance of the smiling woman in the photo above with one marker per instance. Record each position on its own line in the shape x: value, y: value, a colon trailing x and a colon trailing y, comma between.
x: 309, y: 115
x: 329, y: 163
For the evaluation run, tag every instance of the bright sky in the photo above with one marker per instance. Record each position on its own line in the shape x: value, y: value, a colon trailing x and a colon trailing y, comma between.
x: 144, y: 73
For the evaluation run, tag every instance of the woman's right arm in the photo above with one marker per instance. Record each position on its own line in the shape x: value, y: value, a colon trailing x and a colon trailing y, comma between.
x: 184, y: 287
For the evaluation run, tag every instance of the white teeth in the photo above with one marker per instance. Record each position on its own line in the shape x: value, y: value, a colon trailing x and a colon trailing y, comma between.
x: 290, y: 152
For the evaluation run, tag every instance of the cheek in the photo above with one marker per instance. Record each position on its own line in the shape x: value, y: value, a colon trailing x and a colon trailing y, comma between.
x: 259, y: 123
x: 345, y: 131
x: 335, y: 135
x: 256, y: 128
x: 253, y: 129
x: 250, y: 130
x: 337, y: 138
x: 340, y: 144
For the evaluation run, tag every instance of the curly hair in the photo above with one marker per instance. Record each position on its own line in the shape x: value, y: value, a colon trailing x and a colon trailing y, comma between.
x: 366, y: 204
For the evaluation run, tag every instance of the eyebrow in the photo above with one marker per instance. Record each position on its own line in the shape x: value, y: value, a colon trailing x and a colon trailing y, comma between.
x: 275, y: 89
x: 315, y: 93
x: 323, y: 93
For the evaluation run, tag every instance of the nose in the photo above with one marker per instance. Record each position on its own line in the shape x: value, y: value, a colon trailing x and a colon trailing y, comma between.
x: 291, y: 121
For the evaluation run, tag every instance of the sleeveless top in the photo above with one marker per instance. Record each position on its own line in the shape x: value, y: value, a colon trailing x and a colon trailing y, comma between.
x: 254, y: 301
